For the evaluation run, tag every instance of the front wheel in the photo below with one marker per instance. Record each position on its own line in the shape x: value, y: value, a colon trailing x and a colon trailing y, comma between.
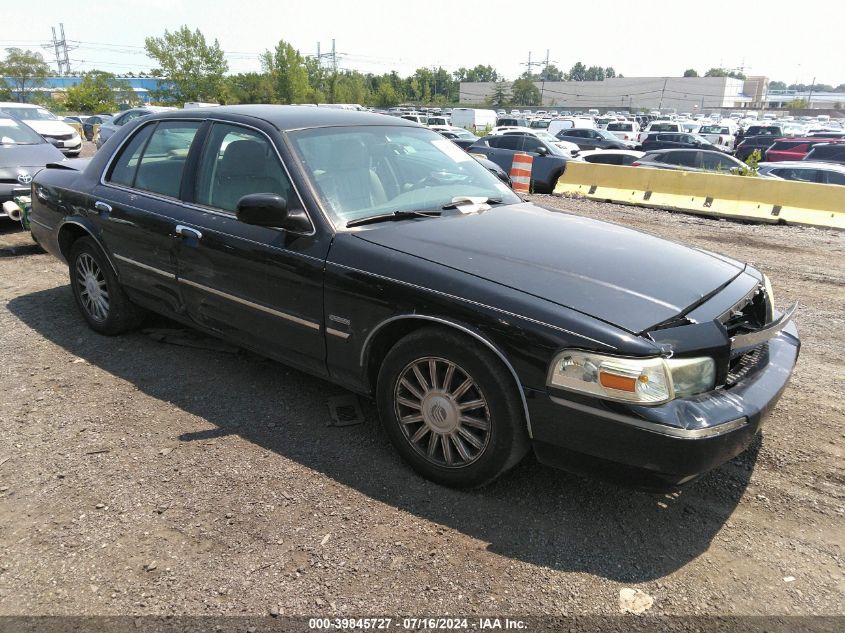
x: 97, y: 292
x: 451, y: 409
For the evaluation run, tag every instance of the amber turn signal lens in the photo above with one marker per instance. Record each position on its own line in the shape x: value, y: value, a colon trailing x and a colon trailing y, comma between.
x: 621, y: 383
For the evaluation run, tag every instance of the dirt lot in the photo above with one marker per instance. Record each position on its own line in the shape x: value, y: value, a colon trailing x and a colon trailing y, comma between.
x: 142, y: 477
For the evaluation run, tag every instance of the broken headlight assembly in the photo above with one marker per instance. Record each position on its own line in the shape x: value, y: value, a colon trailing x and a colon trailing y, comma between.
x: 647, y: 381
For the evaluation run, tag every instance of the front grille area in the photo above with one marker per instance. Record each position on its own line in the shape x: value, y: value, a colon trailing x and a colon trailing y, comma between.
x: 748, y: 315
x: 61, y: 137
x: 747, y: 363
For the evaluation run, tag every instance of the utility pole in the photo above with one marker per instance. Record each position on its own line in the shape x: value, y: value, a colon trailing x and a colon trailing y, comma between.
x: 810, y: 96
x: 662, y: 92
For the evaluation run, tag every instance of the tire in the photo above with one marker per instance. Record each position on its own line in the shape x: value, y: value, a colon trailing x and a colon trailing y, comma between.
x: 97, y: 292
x: 457, y: 436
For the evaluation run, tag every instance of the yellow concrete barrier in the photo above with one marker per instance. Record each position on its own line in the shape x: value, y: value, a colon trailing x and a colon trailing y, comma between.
x: 713, y: 194
x: 77, y: 127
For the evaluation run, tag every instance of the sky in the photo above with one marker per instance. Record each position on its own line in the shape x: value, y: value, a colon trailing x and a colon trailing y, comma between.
x: 637, y: 39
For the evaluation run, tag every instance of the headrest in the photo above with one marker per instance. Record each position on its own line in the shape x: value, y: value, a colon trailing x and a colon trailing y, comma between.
x: 244, y: 158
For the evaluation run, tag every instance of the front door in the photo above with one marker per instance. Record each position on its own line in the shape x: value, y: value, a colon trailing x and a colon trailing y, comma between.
x: 259, y: 286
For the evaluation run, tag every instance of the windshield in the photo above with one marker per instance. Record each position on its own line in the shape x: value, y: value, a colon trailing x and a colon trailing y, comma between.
x: 549, y: 138
x: 30, y: 114
x: 606, y: 135
x: 14, y: 133
x: 365, y: 171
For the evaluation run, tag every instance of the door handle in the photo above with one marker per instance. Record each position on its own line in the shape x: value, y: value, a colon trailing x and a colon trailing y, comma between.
x: 187, y: 231
x: 102, y: 207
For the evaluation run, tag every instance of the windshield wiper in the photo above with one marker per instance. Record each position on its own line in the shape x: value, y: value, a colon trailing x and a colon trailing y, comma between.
x: 393, y: 215
x: 471, y: 200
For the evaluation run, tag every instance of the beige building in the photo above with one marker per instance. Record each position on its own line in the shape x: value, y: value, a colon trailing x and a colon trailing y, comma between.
x: 682, y: 94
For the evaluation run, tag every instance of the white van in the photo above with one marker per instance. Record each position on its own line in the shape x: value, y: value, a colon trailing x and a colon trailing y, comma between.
x: 473, y: 118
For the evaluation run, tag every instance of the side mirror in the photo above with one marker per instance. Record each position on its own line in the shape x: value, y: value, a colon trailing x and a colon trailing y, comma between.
x: 542, y: 151
x: 270, y: 209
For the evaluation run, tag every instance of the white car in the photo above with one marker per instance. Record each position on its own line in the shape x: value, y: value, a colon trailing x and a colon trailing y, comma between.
x: 660, y: 126
x: 47, y: 124
x: 624, y: 130
x: 719, y: 134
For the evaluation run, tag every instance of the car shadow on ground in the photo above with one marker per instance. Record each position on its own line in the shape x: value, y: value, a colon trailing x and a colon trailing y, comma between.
x: 534, y: 513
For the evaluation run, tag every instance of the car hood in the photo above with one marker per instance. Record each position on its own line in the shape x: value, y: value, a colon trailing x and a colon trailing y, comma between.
x: 26, y: 157
x: 50, y: 128
x: 624, y: 277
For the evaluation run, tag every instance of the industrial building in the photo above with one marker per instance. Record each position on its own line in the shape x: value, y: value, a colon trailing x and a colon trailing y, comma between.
x: 682, y: 94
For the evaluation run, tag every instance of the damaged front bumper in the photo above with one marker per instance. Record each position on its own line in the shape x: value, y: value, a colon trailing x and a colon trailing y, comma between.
x: 667, y: 445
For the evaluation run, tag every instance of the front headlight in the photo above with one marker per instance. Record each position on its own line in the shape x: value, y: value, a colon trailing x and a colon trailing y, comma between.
x: 639, y: 380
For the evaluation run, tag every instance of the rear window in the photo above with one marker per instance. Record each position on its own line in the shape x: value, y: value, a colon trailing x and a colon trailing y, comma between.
x: 620, y: 127
x: 664, y: 127
x: 825, y: 152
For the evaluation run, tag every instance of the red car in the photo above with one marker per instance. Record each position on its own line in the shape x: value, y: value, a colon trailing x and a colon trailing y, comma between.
x: 794, y: 148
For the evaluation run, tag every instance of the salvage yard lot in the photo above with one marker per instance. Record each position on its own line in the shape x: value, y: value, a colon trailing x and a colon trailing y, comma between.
x: 141, y: 476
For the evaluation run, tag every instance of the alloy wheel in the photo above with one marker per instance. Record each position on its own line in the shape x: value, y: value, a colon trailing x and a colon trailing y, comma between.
x: 92, y: 288
x: 442, y: 412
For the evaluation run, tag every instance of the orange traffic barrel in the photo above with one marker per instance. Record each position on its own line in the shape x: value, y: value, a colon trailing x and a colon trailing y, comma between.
x: 521, y: 172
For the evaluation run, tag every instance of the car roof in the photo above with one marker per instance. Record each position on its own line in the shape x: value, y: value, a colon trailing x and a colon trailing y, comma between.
x: 612, y: 152
x: 15, y: 104
x: 291, y: 117
x: 688, y: 149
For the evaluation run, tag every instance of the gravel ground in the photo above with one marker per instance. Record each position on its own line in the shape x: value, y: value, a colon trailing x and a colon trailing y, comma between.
x: 141, y: 477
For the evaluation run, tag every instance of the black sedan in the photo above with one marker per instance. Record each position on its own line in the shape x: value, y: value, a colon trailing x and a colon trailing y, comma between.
x: 750, y: 144
x: 376, y: 254
x: 588, y: 138
x: 678, y: 140
x: 23, y: 153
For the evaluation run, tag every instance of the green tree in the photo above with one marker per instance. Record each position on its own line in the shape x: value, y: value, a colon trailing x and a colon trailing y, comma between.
x: 525, y: 92
x: 690, y: 72
x: 721, y: 72
x: 777, y: 85
x: 595, y: 73
x: 578, y: 72
x: 479, y: 73
x: 194, y: 67
x: 99, y: 92
x: 386, y: 96
x: 609, y: 72
x: 288, y: 73
x: 501, y: 95
x: 25, y: 70
x: 797, y: 104
x: 248, y: 88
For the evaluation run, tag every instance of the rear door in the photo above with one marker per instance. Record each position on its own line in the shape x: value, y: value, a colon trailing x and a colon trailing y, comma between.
x: 259, y: 286
x: 137, y: 207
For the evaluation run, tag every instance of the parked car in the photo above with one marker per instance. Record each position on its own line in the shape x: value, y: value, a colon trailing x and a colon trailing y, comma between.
x: 719, y: 134
x: 793, y: 148
x: 483, y: 326
x: 108, y: 128
x: 624, y: 130
x: 775, y: 131
x: 91, y: 121
x: 751, y: 143
x: 568, y: 123
x: 659, y: 126
x: 827, y: 153
x: 569, y: 148
x: 416, y: 118
x: 459, y: 136
x: 678, y: 141
x: 622, y: 157
x: 587, y: 138
x: 23, y: 153
x: 509, y: 121
x: 548, y: 164
x: 475, y: 119
x: 47, y: 124
x: 690, y: 160
x: 804, y: 171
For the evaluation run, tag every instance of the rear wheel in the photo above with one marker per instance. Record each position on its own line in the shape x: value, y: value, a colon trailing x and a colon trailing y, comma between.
x: 97, y: 292
x: 451, y: 409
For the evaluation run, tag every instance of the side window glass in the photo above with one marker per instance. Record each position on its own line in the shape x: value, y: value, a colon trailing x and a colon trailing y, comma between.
x: 531, y: 144
x: 236, y: 162
x: 511, y: 142
x: 163, y: 159
x: 124, y: 167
